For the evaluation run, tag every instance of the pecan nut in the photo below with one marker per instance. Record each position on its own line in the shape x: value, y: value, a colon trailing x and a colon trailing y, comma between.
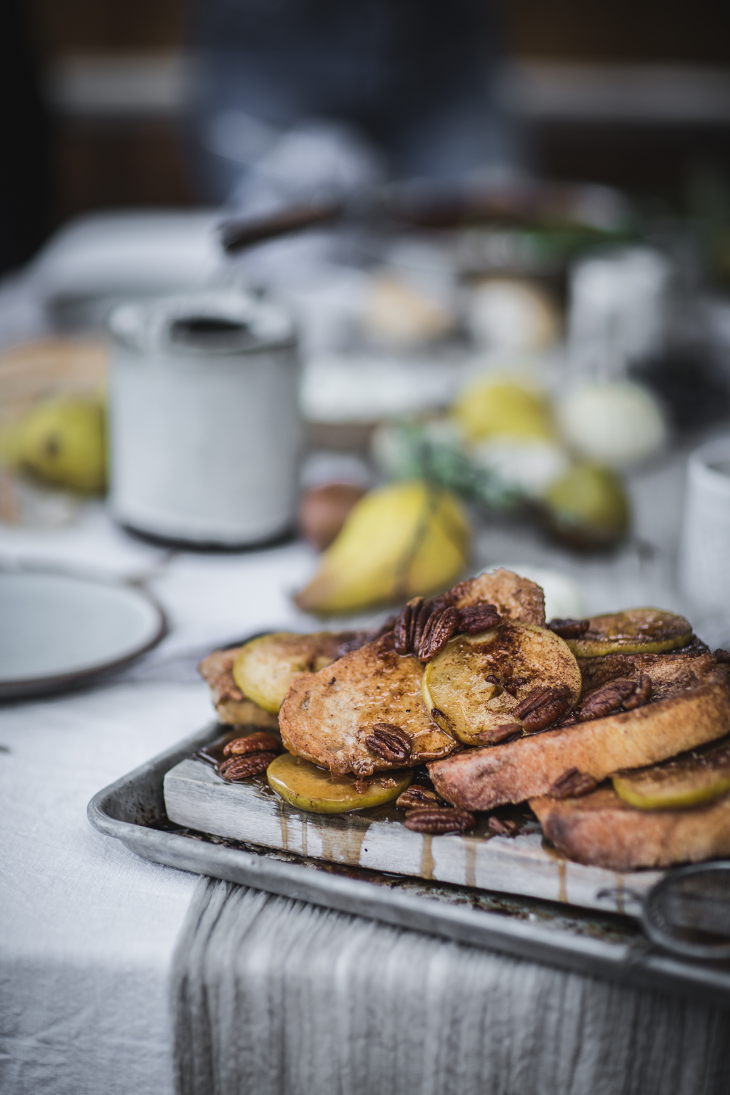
x: 642, y: 693
x: 569, y: 628
x: 421, y: 615
x: 417, y: 796
x: 478, y: 617
x: 437, y: 820
x: 410, y: 625
x: 260, y: 742
x: 617, y: 695
x: 722, y: 656
x: 573, y: 784
x: 495, y: 735
x: 502, y: 826
x: 389, y: 743
x: 237, y: 768
x: 437, y: 632
x: 542, y: 707
x: 402, y: 629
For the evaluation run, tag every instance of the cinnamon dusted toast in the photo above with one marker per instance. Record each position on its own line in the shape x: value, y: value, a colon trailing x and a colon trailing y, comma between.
x: 690, y: 705
x: 341, y: 717
x: 604, y: 831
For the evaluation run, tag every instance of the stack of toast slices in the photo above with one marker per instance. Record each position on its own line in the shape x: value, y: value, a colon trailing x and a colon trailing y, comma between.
x: 613, y: 728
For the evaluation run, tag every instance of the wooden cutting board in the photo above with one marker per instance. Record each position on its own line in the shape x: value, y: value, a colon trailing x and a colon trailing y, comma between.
x: 198, y: 798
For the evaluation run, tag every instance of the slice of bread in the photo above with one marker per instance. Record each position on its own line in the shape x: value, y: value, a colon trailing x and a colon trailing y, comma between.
x: 327, y: 716
x: 602, y: 830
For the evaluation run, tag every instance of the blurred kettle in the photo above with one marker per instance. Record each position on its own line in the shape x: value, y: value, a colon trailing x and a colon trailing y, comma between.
x: 205, y: 428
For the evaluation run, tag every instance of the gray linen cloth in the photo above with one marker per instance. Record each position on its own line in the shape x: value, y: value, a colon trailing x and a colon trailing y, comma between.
x: 277, y: 997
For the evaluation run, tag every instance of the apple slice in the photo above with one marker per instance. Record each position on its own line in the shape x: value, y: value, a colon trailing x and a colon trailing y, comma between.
x: 684, y: 781
x: 265, y: 668
x: 484, y: 688
x: 635, y: 631
x: 304, y: 785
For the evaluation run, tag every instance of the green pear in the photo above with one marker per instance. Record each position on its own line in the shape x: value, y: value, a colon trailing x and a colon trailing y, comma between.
x: 63, y: 442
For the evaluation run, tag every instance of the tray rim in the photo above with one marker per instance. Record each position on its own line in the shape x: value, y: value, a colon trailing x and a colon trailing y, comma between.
x: 638, y: 964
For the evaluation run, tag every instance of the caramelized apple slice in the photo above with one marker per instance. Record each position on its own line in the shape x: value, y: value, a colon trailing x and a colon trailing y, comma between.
x: 265, y: 668
x: 302, y: 784
x: 686, y: 781
x: 485, y: 688
x: 635, y: 631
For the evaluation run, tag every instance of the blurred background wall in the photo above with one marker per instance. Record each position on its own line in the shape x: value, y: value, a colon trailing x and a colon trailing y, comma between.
x: 630, y: 92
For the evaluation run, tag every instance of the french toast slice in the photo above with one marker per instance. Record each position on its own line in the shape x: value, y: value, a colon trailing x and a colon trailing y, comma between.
x: 328, y: 717
x: 602, y: 830
x: 690, y: 706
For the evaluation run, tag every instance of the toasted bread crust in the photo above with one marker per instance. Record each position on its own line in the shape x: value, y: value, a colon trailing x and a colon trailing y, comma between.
x: 217, y: 672
x: 602, y: 830
x: 232, y: 707
x: 516, y: 599
x: 688, y: 713
x: 327, y: 716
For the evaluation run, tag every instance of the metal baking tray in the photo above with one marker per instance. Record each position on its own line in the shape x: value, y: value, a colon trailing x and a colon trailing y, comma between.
x: 132, y: 810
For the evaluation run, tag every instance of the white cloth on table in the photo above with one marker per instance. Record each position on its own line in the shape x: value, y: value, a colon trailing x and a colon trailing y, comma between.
x: 87, y: 929
x: 276, y: 997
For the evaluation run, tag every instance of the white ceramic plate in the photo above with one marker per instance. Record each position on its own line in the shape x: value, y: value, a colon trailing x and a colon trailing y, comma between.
x: 59, y: 630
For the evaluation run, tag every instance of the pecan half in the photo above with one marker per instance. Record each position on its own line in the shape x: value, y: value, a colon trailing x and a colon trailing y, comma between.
x: 403, y: 625
x: 642, y: 694
x: 478, y: 617
x: 615, y: 696
x: 542, y: 707
x: 411, y: 623
x: 389, y: 743
x: 437, y: 632
x: 497, y: 734
x: 721, y: 656
x: 573, y: 784
x: 440, y: 820
x: 260, y: 742
x: 236, y: 768
x: 416, y: 796
x: 421, y: 615
x: 501, y: 827
x: 568, y: 628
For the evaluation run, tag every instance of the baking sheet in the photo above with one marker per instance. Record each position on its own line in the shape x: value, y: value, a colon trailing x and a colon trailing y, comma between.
x: 606, y: 945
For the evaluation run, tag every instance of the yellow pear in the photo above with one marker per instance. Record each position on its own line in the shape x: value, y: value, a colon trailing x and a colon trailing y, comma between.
x: 489, y: 407
x: 63, y: 441
x: 401, y: 540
